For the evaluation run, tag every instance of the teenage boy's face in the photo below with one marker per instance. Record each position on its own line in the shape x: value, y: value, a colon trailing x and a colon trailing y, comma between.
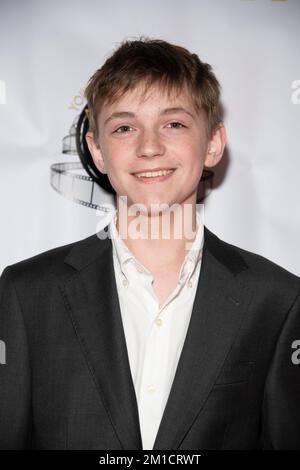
x: 157, y: 132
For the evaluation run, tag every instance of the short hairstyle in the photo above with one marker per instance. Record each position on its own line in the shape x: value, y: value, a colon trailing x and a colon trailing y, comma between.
x: 154, y: 61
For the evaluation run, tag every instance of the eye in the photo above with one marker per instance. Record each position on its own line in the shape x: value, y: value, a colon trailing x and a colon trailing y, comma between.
x: 122, y: 129
x: 176, y: 125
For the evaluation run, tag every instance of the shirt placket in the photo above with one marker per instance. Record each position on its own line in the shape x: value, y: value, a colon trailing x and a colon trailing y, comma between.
x: 153, y: 376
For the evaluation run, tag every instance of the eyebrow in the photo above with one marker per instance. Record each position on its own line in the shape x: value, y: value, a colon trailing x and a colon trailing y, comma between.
x: 166, y: 111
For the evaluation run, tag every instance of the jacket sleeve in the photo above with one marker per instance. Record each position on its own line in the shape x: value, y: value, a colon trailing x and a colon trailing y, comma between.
x: 15, y: 399
x: 281, y: 403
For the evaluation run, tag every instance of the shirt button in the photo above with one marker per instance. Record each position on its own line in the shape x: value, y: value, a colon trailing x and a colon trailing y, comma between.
x: 158, y: 321
x: 151, y: 389
x: 190, y: 284
x: 125, y: 283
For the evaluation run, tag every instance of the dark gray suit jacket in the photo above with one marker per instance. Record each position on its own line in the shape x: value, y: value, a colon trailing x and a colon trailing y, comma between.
x: 66, y: 383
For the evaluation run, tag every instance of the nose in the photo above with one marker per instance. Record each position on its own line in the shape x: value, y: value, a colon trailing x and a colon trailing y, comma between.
x: 149, y: 144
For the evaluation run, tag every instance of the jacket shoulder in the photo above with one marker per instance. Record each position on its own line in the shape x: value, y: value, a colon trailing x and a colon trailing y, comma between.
x: 255, y: 266
x: 47, y: 263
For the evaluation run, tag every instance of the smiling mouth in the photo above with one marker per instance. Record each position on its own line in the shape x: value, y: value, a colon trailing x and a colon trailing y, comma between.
x: 154, y: 174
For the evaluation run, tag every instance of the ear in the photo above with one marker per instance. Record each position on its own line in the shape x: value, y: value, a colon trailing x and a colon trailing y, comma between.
x: 95, y: 151
x: 215, y: 146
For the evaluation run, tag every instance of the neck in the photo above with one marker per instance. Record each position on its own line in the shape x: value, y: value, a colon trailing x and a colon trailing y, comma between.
x: 158, y: 239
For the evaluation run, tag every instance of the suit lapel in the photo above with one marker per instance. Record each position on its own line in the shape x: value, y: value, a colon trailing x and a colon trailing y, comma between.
x: 92, y: 300
x: 218, y: 310
x: 91, y: 297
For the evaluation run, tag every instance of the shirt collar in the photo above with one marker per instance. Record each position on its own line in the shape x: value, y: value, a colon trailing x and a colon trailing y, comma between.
x: 194, y: 253
x: 120, y: 249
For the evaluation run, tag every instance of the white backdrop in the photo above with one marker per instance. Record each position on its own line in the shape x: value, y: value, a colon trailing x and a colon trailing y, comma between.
x: 49, y: 49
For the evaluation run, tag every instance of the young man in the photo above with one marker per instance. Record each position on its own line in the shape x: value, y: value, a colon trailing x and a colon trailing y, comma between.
x: 135, y: 341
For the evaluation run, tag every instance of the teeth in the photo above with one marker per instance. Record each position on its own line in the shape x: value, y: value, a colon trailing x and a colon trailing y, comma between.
x: 151, y: 174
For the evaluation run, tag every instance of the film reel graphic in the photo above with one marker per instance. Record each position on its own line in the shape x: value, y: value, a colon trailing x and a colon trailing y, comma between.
x: 82, y: 182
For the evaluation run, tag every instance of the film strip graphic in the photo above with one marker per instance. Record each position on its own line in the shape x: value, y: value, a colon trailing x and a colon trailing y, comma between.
x: 68, y: 180
x: 71, y: 180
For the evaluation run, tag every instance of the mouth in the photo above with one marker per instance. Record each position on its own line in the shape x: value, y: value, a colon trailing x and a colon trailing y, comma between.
x: 149, y: 177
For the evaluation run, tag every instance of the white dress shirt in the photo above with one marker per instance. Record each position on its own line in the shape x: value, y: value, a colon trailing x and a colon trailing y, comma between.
x: 154, y: 334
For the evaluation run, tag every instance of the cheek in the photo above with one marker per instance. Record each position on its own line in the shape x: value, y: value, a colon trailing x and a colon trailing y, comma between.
x: 113, y: 158
x: 119, y: 152
x: 193, y: 156
x: 118, y: 169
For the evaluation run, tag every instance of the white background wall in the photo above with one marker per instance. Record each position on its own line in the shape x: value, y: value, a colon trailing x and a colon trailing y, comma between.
x: 49, y: 49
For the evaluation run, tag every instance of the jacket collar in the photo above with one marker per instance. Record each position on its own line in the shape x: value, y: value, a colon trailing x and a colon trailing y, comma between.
x: 92, y: 248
